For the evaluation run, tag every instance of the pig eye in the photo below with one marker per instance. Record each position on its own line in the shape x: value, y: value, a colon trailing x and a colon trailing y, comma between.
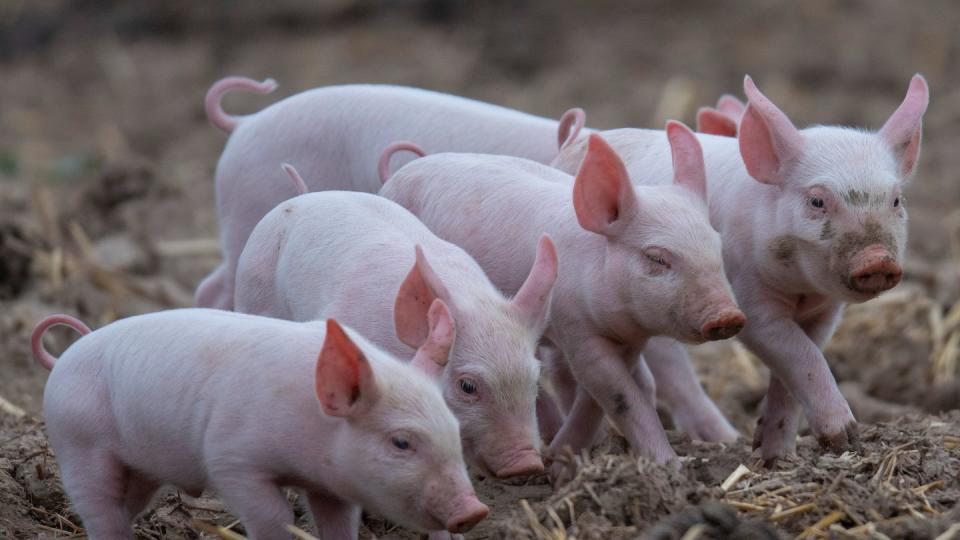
x: 468, y: 386
x: 816, y: 202
x: 400, y: 443
x: 658, y: 257
x: 896, y: 202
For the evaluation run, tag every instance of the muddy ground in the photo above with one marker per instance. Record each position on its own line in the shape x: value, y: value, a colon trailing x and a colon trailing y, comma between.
x: 106, y: 211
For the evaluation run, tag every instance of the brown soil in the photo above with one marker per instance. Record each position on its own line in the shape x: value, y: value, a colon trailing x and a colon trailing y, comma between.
x: 106, y: 211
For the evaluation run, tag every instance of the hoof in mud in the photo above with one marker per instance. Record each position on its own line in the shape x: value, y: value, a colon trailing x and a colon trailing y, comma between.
x: 774, y: 441
x: 563, y: 465
x: 843, y: 441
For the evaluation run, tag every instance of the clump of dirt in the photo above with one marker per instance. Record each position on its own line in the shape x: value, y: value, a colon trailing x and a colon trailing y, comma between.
x: 711, y: 521
x: 16, y: 256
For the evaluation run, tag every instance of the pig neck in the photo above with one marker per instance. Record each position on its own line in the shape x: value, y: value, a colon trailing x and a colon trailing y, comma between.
x: 589, y: 298
x: 751, y: 224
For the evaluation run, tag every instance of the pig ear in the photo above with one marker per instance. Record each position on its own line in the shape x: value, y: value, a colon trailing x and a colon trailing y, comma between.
x: 417, y: 292
x: 731, y: 107
x: 602, y: 194
x: 569, y: 127
x: 715, y: 122
x: 903, y: 129
x: 688, y: 168
x: 434, y: 353
x: 769, y: 142
x: 533, y: 299
x: 345, y: 383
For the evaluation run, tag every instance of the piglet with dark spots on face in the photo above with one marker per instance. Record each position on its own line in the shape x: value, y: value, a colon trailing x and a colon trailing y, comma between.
x: 811, y: 219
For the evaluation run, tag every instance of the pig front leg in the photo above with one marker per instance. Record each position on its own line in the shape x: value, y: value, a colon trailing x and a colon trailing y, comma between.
x: 799, y: 372
x: 258, y: 502
x: 603, y: 369
x: 678, y: 386
x: 334, y: 518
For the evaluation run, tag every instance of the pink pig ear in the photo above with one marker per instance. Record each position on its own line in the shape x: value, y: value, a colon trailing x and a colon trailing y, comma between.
x: 417, y: 292
x: 345, y: 383
x: 533, y: 299
x: 602, y: 193
x: 569, y: 127
x: 433, y: 355
x: 903, y: 129
x: 769, y: 142
x: 714, y: 122
x: 689, y: 170
x: 731, y: 107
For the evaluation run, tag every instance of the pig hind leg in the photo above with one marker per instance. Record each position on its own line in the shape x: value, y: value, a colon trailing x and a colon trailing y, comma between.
x: 692, y: 410
x: 96, y: 482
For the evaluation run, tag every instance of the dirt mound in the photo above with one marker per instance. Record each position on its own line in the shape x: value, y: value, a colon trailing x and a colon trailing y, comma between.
x: 903, y: 484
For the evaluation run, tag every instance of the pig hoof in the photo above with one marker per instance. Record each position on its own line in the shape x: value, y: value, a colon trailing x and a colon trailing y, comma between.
x: 846, y: 440
x: 774, y: 440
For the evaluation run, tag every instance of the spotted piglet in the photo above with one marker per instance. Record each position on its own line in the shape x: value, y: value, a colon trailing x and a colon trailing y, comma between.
x: 811, y: 220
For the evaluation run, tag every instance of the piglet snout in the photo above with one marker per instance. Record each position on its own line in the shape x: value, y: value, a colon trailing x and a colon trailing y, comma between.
x: 468, y: 511
x: 524, y: 464
x: 724, y: 325
x: 874, y: 270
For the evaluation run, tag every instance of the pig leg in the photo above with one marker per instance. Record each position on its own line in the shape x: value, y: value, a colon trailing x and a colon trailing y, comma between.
x: 603, y: 369
x: 259, y: 504
x: 802, y: 371
x: 645, y: 380
x: 212, y: 290
x: 776, y: 432
x: 678, y: 386
x: 780, y: 413
x: 96, y: 481
x: 334, y: 518
x: 549, y: 417
x: 139, y: 493
x: 561, y: 380
x: 577, y: 432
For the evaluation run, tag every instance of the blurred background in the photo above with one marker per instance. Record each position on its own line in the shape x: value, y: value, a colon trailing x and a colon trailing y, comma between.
x: 107, y: 160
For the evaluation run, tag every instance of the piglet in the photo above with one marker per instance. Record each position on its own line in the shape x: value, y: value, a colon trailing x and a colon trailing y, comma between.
x: 635, y: 262
x: 334, y: 135
x: 305, y: 261
x: 245, y: 405
x: 811, y: 220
